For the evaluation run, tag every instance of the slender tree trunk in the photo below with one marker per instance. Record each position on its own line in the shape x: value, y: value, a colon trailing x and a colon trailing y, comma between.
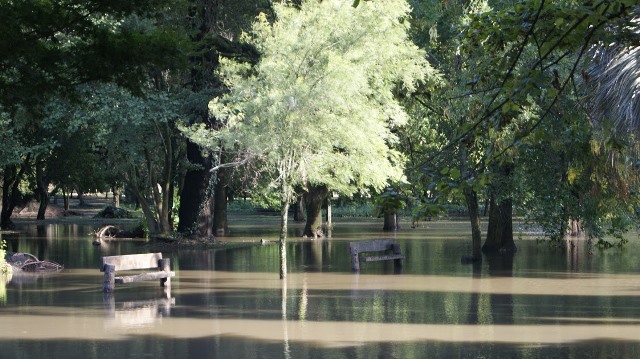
x: 474, y: 217
x: 42, y: 189
x: 221, y: 225
x: 166, y: 181
x: 314, y: 200
x: 220, y: 201
x: 329, y: 219
x: 282, y: 243
x: 150, y: 217
x: 80, y: 197
x: 471, y: 198
x: 65, y: 199
x: 43, y: 198
x: 116, y: 196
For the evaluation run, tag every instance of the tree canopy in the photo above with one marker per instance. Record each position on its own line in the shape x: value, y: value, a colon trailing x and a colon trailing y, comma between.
x: 529, y: 107
x: 320, y: 105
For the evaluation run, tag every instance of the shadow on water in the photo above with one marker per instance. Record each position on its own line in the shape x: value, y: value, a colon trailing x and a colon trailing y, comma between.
x: 229, y: 302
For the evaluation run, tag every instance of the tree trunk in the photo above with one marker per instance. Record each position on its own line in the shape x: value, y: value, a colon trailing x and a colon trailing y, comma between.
x: 221, y: 226
x: 164, y: 205
x: 65, y: 200
x: 8, y: 204
x: 81, y: 201
x: 204, y: 225
x: 298, y: 214
x: 391, y: 221
x: 314, y: 200
x: 574, y: 228
x: 500, y: 230
x: 282, y: 243
x: 195, y: 212
x: 220, y: 222
x: 329, y: 219
x: 116, y: 196
x: 474, y: 217
x: 42, y: 190
x: 150, y: 217
x: 11, y: 192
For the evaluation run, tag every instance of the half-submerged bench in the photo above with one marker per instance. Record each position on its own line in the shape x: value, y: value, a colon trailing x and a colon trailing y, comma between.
x: 109, y: 265
x: 390, y: 249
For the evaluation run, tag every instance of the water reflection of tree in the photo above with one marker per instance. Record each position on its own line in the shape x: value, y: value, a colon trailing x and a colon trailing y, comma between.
x: 500, y: 309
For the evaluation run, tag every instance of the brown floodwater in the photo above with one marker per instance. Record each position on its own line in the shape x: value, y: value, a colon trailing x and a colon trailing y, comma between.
x: 230, y: 303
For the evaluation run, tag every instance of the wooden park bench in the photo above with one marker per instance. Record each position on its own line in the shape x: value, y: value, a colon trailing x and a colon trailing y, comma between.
x: 109, y: 265
x: 389, y: 248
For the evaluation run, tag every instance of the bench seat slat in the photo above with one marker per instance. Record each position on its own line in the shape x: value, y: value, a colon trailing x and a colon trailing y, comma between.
x: 144, y: 276
x: 382, y: 258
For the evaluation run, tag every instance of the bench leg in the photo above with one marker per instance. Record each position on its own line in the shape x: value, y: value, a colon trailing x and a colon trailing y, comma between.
x: 397, y: 266
x: 109, y: 281
x: 355, y: 262
x: 165, y: 266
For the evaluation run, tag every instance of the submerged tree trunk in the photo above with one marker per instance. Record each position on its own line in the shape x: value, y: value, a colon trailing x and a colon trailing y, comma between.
x: 500, y: 230
x: 65, y: 199
x: 391, y: 221
x: 282, y: 243
x: 195, y: 211
x: 474, y: 217
x: 329, y: 217
x: 42, y: 190
x: 314, y: 200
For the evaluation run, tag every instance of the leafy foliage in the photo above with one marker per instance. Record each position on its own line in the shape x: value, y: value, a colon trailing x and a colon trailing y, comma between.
x: 5, y: 268
x: 319, y: 105
x: 50, y: 46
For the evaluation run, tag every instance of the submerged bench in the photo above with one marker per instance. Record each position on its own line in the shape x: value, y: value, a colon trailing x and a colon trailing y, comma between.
x: 389, y: 247
x: 109, y: 265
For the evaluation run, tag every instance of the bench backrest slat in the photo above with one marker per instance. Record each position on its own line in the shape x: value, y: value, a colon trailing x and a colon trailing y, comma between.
x: 372, y: 246
x: 132, y: 261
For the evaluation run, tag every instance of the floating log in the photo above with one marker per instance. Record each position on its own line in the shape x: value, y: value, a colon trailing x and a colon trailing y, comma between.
x: 108, y: 231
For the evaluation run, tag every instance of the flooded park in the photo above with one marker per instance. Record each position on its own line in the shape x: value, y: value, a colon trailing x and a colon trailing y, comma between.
x: 228, y: 302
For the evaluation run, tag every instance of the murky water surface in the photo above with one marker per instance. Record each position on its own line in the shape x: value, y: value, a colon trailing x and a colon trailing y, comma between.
x: 229, y: 303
